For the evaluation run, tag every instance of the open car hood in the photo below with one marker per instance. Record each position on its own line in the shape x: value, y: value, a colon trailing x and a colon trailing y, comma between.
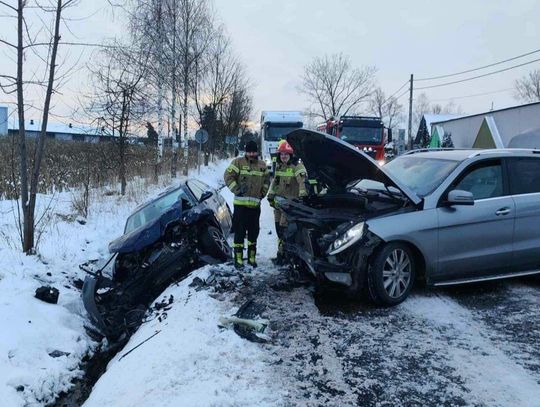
x: 336, y: 163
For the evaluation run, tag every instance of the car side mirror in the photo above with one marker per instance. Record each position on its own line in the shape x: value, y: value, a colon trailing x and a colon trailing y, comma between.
x: 205, y: 196
x: 460, y: 197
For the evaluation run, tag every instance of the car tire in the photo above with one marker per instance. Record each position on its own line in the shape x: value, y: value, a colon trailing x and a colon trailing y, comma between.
x: 391, y: 274
x: 214, y: 243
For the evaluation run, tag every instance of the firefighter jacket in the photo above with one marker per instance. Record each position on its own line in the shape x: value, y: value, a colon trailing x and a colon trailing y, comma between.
x: 289, y: 181
x: 248, y: 180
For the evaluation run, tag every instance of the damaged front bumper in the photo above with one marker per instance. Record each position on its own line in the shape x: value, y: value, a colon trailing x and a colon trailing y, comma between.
x: 116, y: 308
x: 347, y: 268
x: 308, y: 242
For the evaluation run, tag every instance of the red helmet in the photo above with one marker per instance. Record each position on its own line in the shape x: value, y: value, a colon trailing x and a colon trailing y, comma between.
x: 285, y: 147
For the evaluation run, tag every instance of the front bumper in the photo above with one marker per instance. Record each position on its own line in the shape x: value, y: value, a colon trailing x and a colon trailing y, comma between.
x: 347, y: 268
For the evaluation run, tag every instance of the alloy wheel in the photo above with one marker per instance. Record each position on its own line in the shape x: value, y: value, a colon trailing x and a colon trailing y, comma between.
x: 220, y: 241
x: 397, y: 273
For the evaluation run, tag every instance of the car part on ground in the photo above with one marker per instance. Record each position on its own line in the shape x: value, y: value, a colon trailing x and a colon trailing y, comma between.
x: 47, y: 294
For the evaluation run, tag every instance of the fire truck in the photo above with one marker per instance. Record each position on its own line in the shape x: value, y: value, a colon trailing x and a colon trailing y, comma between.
x: 365, y: 133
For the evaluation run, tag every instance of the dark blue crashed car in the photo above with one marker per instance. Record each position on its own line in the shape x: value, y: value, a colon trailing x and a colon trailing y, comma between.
x: 183, y: 228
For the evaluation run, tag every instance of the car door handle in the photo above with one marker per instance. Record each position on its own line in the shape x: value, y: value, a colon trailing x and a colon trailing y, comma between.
x: 503, y: 211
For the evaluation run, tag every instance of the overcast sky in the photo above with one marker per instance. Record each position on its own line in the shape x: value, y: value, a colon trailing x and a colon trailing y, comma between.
x: 277, y: 38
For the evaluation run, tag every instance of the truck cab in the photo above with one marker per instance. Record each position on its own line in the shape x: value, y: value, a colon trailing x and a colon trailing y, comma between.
x: 365, y: 133
x: 275, y: 125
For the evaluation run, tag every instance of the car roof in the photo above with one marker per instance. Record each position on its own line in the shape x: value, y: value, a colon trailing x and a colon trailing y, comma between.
x: 464, y: 154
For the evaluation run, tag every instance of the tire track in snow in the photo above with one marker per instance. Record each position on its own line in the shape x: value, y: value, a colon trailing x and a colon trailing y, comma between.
x: 511, y: 309
x: 489, y: 372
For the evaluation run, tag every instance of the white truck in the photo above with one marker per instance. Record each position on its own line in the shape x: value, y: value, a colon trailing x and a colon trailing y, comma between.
x: 274, y: 127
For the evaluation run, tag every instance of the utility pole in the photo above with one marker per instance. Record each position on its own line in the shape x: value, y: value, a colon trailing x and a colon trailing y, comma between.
x: 410, y: 111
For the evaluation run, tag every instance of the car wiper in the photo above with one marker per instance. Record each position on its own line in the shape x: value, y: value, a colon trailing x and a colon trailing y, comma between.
x: 397, y: 195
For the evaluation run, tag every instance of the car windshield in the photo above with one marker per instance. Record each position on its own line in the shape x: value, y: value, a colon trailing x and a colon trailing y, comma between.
x: 421, y: 174
x: 361, y: 135
x: 155, y: 209
x: 276, y: 133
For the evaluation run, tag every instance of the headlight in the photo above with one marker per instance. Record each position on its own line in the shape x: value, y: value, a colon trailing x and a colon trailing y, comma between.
x: 381, y: 163
x: 347, y: 239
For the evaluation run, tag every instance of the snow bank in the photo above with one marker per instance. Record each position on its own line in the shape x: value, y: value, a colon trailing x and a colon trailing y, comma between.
x: 190, y: 362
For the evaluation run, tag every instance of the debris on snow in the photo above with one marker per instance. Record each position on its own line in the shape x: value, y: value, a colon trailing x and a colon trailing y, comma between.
x: 47, y: 294
x: 253, y: 324
x: 247, y: 322
x: 57, y: 353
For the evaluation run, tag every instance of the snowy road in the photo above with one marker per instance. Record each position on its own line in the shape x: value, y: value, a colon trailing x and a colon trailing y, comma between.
x: 472, y: 345
x: 479, y: 346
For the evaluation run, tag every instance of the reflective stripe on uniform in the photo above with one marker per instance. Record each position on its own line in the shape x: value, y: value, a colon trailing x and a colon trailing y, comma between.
x: 246, y: 201
x: 312, y: 181
x: 232, y: 185
x: 234, y: 168
x: 251, y: 243
x: 300, y: 171
x: 248, y: 172
x: 289, y: 172
x: 238, y: 245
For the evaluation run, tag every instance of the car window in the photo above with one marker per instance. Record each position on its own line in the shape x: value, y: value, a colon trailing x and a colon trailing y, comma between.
x: 483, y: 182
x: 197, y: 188
x: 524, y: 175
x: 156, y: 208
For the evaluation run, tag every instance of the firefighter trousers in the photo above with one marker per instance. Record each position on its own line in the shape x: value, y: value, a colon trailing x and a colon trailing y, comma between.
x: 246, y: 221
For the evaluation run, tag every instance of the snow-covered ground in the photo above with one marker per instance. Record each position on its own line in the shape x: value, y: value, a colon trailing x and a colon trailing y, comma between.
x: 473, y: 345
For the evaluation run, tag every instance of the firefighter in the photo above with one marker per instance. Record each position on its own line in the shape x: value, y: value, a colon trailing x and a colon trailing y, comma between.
x: 248, y: 179
x: 289, y: 182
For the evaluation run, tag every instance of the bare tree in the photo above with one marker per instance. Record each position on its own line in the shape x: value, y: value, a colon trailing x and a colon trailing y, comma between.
x: 120, y: 97
x: 334, y: 86
x: 195, y: 29
x: 30, y: 41
x: 388, y: 109
x: 216, y: 83
x: 182, y: 31
x: 236, y: 109
x: 527, y: 88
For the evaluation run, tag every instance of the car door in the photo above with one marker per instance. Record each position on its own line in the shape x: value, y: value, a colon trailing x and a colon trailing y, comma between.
x: 524, y: 180
x: 216, y: 203
x: 476, y: 241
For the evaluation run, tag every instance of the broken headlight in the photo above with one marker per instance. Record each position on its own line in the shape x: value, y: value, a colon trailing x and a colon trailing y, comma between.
x: 347, y: 239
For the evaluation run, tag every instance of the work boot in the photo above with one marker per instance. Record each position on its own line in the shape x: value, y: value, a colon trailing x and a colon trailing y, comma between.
x: 252, y: 254
x: 239, y: 257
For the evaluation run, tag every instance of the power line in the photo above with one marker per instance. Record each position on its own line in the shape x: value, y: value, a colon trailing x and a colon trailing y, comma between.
x: 393, y: 94
x: 403, y: 94
x: 479, y: 76
x: 477, y: 94
x: 479, y: 68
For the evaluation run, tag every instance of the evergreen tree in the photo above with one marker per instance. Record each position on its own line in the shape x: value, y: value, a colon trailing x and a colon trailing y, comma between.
x: 447, y: 141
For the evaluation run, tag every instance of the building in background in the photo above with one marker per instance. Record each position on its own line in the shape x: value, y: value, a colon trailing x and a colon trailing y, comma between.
x: 61, y: 131
x: 513, y: 127
x: 424, y: 136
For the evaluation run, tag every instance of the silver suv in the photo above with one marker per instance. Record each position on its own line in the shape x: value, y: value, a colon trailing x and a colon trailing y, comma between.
x: 443, y: 216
